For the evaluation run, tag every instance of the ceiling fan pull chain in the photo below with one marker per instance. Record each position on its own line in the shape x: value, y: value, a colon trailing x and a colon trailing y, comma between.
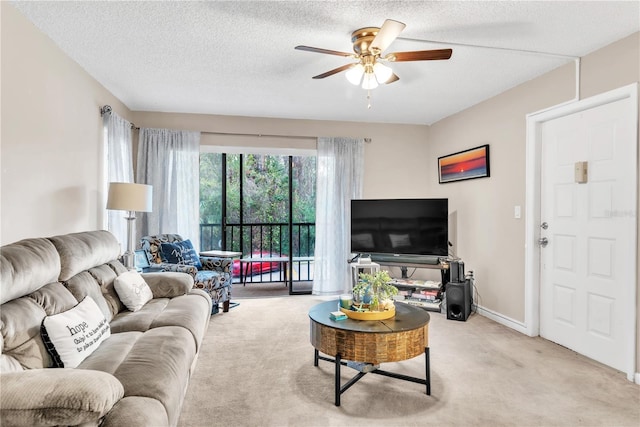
x: 369, y: 99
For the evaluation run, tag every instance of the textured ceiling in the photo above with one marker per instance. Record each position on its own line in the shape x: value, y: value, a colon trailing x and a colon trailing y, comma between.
x: 238, y: 57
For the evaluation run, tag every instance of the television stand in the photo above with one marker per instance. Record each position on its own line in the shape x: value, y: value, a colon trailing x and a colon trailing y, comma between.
x: 435, y: 290
x: 406, y: 259
x: 443, y: 266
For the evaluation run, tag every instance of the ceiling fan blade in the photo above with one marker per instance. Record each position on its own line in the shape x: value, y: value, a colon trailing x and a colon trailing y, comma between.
x: 419, y: 55
x: 393, y: 78
x: 327, y: 51
x: 386, y: 35
x: 334, y: 71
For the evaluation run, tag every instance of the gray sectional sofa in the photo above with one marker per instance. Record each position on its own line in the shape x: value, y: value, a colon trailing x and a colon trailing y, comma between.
x: 138, y: 376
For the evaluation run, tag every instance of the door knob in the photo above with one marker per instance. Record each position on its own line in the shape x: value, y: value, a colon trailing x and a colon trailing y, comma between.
x: 544, y: 225
x: 543, y: 241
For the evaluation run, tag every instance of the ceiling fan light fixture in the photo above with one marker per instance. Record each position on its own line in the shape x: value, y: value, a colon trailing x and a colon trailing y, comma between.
x: 369, y: 44
x: 369, y: 81
x: 382, y: 72
x: 354, y: 74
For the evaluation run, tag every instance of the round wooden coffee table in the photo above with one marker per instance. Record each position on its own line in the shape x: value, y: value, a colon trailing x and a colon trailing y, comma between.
x: 370, y: 342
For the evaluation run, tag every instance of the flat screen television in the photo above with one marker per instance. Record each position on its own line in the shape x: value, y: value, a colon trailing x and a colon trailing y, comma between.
x: 401, y: 230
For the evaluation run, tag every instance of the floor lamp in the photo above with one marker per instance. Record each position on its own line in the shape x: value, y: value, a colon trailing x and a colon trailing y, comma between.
x: 126, y: 196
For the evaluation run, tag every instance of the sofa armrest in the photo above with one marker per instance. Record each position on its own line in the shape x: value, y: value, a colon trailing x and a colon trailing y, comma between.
x: 221, y: 265
x: 57, y: 396
x: 168, y: 284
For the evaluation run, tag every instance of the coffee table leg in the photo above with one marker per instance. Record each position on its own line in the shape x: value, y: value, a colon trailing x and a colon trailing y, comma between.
x: 427, y: 370
x: 315, y: 357
x: 337, y: 383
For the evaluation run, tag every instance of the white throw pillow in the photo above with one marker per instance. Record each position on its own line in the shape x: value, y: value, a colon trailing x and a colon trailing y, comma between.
x: 71, y: 336
x: 133, y: 290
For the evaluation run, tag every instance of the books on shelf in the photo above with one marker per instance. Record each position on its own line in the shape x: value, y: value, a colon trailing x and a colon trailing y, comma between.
x: 426, y: 294
x: 431, y: 295
x: 419, y: 284
x: 431, y: 305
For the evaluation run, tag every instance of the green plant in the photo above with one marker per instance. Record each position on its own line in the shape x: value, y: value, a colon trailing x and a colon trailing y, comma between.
x: 375, y: 290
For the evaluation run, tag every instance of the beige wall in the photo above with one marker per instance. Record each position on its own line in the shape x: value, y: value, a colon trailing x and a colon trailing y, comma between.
x: 491, y: 240
x: 395, y: 158
x: 51, y: 136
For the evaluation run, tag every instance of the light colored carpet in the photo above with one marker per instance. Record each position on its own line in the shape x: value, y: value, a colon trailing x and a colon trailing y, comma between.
x: 256, y: 369
x: 267, y: 290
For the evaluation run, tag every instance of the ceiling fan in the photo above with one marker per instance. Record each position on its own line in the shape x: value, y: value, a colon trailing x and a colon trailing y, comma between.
x: 369, y: 44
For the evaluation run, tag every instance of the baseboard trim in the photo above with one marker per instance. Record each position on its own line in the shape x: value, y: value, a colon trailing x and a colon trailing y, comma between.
x: 502, y: 319
x: 637, y: 378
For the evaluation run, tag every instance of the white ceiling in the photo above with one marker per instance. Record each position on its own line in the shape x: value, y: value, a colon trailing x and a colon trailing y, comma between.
x: 238, y: 57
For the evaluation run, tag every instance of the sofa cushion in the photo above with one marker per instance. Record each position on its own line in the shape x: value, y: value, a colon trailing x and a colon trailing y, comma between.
x: 136, y: 411
x: 105, y: 276
x: 158, y: 366
x: 187, y: 311
x: 54, y: 298
x: 8, y: 363
x: 133, y: 290
x: 180, y: 253
x: 55, y: 396
x: 82, y: 251
x: 21, y: 320
x: 25, y: 266
x: 74, y: 334
x: 112, y: 352
x: 84, y: 284
x: 140, y: 320
x: 117, y: 267
x: 191, y: 312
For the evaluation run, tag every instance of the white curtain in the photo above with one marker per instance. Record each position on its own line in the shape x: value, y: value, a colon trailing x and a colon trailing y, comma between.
x: 119, y: 168
x: 340, y: 172
x: 169, y: 161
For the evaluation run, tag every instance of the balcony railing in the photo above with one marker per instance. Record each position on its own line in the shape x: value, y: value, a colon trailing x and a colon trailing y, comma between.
x: 264, y: 240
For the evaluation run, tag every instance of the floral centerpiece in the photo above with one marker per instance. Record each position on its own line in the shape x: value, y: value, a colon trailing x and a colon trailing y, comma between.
x: 374, y: 292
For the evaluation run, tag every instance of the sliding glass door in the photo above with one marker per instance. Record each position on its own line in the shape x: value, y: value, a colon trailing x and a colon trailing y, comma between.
x: 263, y: 206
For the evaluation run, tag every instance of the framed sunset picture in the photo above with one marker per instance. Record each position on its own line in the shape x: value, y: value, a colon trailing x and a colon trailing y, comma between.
x: 469, y: 164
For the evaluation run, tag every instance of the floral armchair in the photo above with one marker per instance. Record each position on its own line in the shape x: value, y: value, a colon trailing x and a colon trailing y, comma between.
x: 214, y: 276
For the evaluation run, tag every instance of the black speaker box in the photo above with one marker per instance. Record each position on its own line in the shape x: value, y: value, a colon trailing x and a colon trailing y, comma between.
x: 456, y: 271
x: 458, y: 301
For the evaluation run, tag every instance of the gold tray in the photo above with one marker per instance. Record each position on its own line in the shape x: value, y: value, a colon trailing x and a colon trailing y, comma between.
x: 369, y: 315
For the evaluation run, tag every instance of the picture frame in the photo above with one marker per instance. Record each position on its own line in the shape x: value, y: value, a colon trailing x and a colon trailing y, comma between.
x: 141, y: 260
x: 463, y: 165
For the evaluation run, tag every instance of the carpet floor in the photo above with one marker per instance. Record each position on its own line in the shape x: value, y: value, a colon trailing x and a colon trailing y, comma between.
x: 256, y: 369
x: 267, y: 290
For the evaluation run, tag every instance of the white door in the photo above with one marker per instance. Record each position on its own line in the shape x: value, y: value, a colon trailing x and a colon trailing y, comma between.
x: 588, y: 272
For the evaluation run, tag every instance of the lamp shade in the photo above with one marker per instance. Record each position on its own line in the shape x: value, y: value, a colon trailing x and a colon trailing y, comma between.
x: 382, y: 72
x: 126, y: 196
x: 369, y: 81
x: 354, y: 74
